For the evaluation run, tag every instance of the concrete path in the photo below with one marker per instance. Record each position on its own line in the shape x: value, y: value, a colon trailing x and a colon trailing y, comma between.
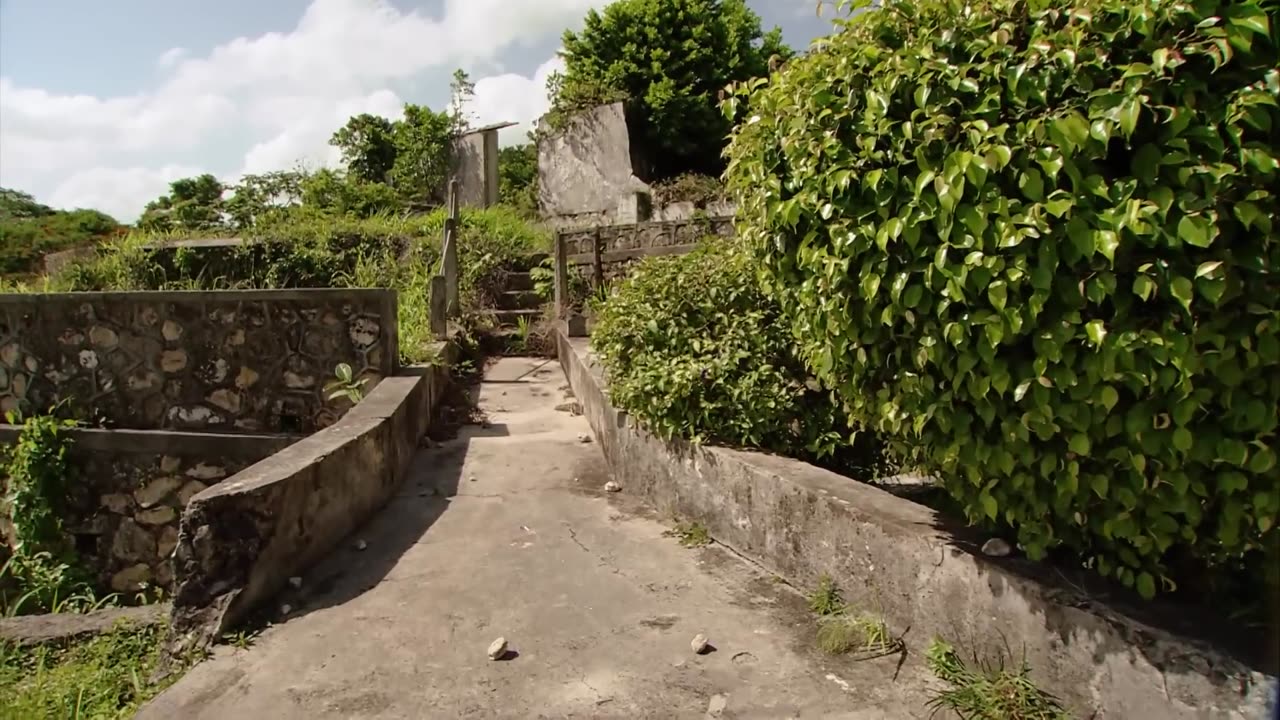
x: 506, y: 531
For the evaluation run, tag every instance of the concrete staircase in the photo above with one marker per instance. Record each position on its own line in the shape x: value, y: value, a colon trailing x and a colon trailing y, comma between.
x: 518, y: 300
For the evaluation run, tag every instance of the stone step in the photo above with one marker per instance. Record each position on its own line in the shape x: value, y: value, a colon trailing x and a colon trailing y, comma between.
x: 519, y: 281
x: 511, y: 318
x: 519, y: 300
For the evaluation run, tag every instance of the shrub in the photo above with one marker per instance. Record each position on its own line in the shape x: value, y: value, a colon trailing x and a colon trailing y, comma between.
x: 1034, y: 246
x: 695, y: 350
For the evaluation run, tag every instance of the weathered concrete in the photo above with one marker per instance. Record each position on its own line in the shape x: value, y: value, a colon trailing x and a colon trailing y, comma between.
x: 475, y: 165
x: 58, y: 627
x: 896, y: 557
x: 129, y: 487
x: 587, y: 171
x: 505, y: 531
x: 240, y: 541
x: 234, y: 360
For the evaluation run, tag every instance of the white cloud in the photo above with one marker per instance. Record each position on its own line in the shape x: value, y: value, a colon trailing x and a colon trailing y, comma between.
x: 171, y: 57
x: 265, y: 102
x: 514, y: 97
x: 116, y: 190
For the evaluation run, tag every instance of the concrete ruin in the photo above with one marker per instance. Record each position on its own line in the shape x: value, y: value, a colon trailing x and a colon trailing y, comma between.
x: 475, y: 154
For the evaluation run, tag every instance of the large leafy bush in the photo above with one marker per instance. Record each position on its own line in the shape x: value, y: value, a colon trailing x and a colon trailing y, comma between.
x: 694, y: 349
x: 670, y: 59
x: 1033, y: 243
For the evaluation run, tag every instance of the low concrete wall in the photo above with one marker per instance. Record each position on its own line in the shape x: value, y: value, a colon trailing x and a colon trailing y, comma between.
x: 241, y: 540
x: 129, y: 487
x: 894, y: 557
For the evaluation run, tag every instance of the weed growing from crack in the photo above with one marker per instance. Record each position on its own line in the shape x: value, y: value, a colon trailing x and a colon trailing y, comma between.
x: 691, y: 534
x: 988, y: 691
x: 862, y: 633
x: 825, y: 599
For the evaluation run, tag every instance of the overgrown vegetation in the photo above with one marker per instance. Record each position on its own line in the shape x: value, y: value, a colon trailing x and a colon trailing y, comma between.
x: 105, y: 677
x: 41, y: 573
x: 1033, y: 247
x: 697, y: 350
x: 313, y: 249
x: 669, y: 59
x: 989, y: 692
x: 688, y: 187
x: 29, y: 231
x: 861, y: 633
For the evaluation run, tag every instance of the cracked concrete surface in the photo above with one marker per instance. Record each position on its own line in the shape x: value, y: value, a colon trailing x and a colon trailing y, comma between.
x: 597, y: 605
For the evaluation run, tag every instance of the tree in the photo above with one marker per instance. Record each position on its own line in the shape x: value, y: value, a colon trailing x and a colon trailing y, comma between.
x: 368, y: 147
x: 192, y: 204
x: 461, y: 91
x: 670, y: 59
x: 261, y: 197
x: 338, y: 193
x: 518, y: 176
x: 29, y: 230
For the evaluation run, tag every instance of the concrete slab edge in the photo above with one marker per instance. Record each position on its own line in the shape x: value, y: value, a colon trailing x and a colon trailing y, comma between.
x: 894, y: 557
x: 241, y: 540
x: 27, y: 630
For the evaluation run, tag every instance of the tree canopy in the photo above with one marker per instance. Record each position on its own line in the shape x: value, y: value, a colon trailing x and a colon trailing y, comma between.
x: 670, y: 59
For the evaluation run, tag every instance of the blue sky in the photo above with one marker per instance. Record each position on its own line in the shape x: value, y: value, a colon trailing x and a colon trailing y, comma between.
x: 102, y: 104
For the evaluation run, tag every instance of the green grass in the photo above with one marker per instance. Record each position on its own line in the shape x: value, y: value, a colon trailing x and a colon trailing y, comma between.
x: 103, y: 677
x: 690, y: 534
x: 863, y: 633
x: 825, y: 599
x: 988, y: 691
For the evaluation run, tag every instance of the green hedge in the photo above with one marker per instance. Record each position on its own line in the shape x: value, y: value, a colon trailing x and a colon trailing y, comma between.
x: 695, y: 350
x: 1033, y: 245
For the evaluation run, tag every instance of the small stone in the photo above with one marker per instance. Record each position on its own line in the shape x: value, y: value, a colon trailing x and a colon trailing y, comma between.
x: 361, y: 545
x: 157, y: 516
x: 472, y: 478
x: 190, y: 490
x: 246, y: 378
x: 116, y: 503
x: 171, y: 330
x: 584, y: 438
x: 131, y: 543
x: 167, y: 541
x: 173, y: 360
x: 996, y: 547
x: 286, y: 609
x: 699, y: 644
x: 170, y: 464
x: 103, y: 336
x: 497, y: 649
x: 295, y: 582
x: 204, y: 471
x: 716, y: 707
x: 612, y: 486
x: 153, y: 492
x: 131, y: 578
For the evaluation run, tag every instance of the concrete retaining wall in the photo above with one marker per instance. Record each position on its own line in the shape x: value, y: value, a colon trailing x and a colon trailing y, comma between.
x: 896, y: 558
x: 241, y: 540
x: 129, y: 487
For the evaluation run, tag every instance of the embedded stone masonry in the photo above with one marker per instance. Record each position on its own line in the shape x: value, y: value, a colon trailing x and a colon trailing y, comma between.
x: 227, y: 361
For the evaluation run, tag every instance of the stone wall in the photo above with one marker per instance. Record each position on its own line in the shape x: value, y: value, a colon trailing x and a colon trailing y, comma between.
x: 227, y: 361
x: 128, y: 491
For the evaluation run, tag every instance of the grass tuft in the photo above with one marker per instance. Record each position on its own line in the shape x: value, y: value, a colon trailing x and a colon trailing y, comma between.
x: 988, y: 692
x: 842, y: 633
x: 691, y: 534
x: 826, y: 599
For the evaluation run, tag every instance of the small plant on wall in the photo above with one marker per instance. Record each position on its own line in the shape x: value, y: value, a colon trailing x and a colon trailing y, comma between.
x: 41, y: 573
x: 345, y: 385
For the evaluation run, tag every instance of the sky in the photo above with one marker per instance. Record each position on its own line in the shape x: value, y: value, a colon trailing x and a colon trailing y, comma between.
x: 102, y: 104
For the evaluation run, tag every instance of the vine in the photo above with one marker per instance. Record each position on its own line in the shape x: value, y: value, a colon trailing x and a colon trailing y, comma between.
x: 42, y: 562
